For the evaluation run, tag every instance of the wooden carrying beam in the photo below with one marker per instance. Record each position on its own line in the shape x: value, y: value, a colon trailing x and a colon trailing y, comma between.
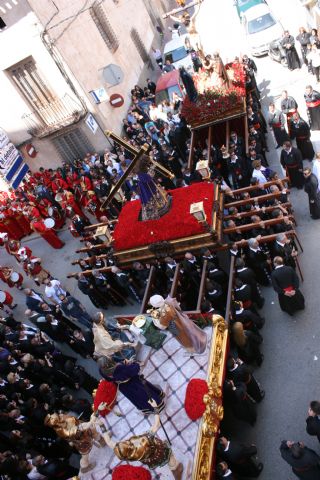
x: 147, y: 291
x: 261, y: 198
x: 191, y: 153
x: 250, y: 226
x: 202, y: 284
x: 89, y: 272
x: 175, y: 282
x: 257, y: 211
x: 255, y: 187
x: 230, y: 289
x: 97, y: 225
x: 98, y: 247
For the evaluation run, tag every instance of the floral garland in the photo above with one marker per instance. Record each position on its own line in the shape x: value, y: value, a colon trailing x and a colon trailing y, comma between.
x: 128, y: 472
x: 214, y: 103
x: 194, y: 404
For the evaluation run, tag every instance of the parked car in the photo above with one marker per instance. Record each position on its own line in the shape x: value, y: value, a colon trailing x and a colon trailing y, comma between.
x: 244, y: 5
x: 167, y: 84
x: 176, y: 51
x: 261, y: 28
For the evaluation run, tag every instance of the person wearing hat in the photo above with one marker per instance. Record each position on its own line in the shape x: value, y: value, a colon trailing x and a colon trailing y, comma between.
x: 47, y: 233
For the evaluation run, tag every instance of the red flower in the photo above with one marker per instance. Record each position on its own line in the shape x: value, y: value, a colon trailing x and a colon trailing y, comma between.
x: 177, y: 223
x: 194, y: 403
x: 128, y: 472
x: 106, y: 392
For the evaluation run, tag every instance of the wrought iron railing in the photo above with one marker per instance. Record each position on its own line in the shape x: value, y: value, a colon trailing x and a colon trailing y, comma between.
x: 53, y: 116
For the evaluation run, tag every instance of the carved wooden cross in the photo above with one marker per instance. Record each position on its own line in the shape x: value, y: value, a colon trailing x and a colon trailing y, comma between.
x: 138, y: 154
x: 182, y: 8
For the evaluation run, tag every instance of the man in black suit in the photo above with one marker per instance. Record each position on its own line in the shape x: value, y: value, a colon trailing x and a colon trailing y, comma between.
x: 239, y: 457
x: 223, y: 471
x: 285, y: 282
x: 313, y: 420
x: 258, y: 261
x: 284, y: 248
x: 238, y: 371
x: 291, y: 161
x: 303, y: 460
x: 191, y: 268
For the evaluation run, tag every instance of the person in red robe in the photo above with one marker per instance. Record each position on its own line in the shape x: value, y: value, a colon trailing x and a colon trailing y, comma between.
x: 6, y: 277
x: 47, y: 233
x: 6, y: 300
x: 69, y: 201
x: 22, y: 220
x: 10, y: 226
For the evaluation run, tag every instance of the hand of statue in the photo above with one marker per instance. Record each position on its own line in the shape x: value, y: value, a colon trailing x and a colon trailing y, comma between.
x: 153, y: 403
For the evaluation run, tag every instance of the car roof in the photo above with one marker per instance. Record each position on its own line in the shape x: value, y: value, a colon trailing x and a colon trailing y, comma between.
x: 175, y: 43
x: 249, y: 4
x: 257, y: 11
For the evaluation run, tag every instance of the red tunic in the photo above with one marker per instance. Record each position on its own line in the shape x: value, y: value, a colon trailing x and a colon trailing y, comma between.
x: 8, y: 280
x: 9, y: 225
x: 48, y: 234
x: 24, y: 223
x: 8, y: 300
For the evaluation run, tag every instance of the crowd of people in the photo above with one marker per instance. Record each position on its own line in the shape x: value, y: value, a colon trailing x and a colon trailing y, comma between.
x: 39, y: 378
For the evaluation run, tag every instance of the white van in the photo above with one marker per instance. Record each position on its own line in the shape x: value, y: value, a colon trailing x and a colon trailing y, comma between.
x: 261, y: 29
x: 176, y: 52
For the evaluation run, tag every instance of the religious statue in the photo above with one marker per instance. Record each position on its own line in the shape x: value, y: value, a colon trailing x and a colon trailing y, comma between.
x: 110, y: 343
x: 82, y: 435
x: 147, y: 448
x: 143, y: 328
x: 219, y: 70
x: 132, y: 384
x: 167, y: 314
x: 190, y: 24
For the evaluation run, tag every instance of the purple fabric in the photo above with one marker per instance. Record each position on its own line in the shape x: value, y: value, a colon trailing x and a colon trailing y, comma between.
x: 146, y: 187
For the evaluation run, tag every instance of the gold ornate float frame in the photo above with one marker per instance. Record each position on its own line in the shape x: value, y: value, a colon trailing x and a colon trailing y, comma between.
x: 203, y: 466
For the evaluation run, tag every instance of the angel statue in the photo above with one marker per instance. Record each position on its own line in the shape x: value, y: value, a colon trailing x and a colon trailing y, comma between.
x: 167, y: 314
x: 147, y: 448
x: 82, y: 435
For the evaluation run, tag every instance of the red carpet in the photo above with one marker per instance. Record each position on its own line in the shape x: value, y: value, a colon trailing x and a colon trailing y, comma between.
x: 177, y: 223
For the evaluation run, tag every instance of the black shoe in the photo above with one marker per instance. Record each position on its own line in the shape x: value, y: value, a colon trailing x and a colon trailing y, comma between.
x: 14, y: 306
x: 260, y: 467
x: 278, y: 146
x: 262, y: 394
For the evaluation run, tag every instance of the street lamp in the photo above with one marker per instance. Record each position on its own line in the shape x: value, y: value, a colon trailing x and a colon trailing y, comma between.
x: 203, y: 168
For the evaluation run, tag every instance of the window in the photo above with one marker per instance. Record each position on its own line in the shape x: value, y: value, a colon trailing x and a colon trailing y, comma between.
x: 2, y: 24
x: 73, y: 145
x: 31, y: 83
x: 140, y: 47
x: 103, y: 25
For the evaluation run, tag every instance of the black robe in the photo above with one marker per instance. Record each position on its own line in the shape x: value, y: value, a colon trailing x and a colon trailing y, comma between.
x: 239, y: 458
x: 188, y: 85
x: 311, y: 188
x: 313, y: 106
x: 276, y: 121
x: 300, y: 130
x: 306, y: 467
x: 286, y: 278
x: 292, y: 163
x: 291, y: 52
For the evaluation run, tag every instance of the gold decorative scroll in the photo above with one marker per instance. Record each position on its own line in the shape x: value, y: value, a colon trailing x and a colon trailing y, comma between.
x: 210, y: 423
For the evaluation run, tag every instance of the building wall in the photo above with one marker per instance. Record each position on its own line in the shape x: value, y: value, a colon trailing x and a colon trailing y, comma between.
x: 78, y: 45
x: 86, y: 54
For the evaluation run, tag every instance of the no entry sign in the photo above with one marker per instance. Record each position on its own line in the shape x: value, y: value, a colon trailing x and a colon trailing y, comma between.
x: 116, y: 100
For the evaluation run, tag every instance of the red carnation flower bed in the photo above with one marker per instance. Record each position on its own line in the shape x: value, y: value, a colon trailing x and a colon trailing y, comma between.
x: 194, y: 403
x: 106, y: 392
x: 177, y: 223
x: 128, y: 472
x: 215, y: 103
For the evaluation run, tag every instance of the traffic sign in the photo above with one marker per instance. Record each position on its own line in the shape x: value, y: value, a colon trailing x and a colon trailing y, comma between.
x: 116, y: 100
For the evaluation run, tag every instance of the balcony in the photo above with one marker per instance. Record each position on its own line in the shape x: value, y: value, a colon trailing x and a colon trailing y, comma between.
x: 54, y: 116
